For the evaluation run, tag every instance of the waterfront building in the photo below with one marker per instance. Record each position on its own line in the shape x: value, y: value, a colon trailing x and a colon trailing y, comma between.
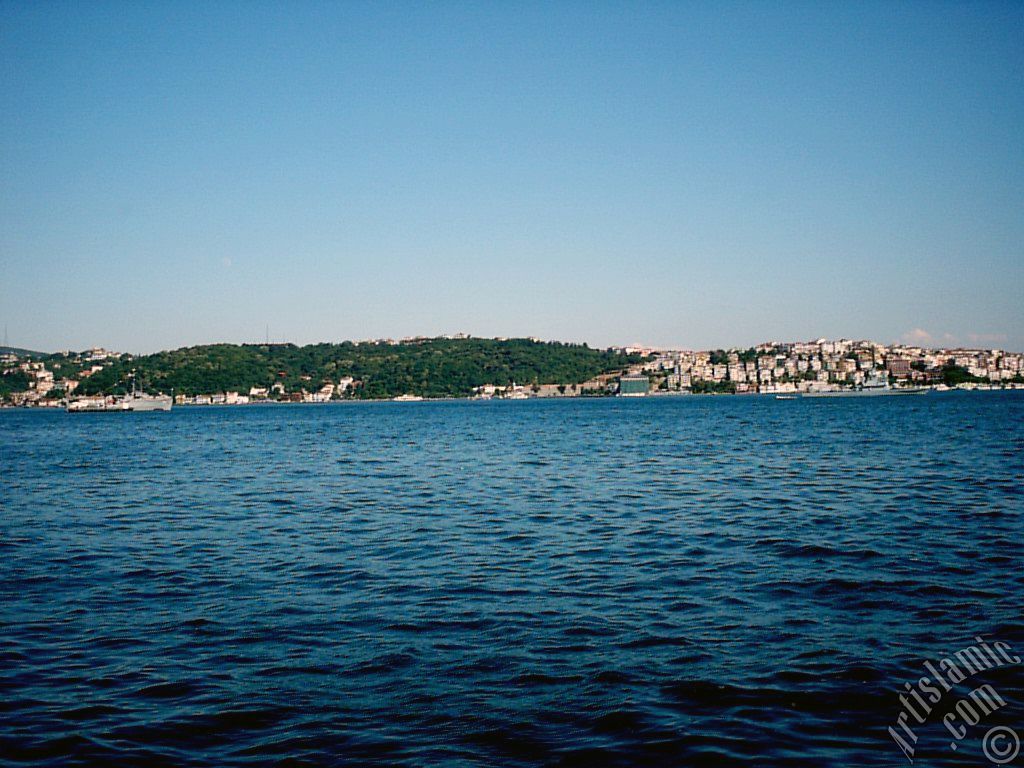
x: 633, y: 386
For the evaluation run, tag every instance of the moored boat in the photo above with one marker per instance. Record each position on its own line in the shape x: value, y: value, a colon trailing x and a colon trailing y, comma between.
x: 136, y: 402
x: 133, y: 401
x: 874, y: 386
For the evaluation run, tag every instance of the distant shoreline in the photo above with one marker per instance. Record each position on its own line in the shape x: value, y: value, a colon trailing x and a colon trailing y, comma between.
x: 559, y: 398
x: 464, y: 367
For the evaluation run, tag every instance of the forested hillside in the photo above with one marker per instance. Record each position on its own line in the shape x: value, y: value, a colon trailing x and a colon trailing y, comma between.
x: 431, y: 368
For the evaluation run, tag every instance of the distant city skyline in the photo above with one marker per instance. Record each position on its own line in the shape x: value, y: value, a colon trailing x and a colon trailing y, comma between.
x: 682, y: 176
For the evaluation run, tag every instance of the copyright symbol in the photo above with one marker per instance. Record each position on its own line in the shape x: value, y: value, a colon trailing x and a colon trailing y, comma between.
x: 1000, y: 745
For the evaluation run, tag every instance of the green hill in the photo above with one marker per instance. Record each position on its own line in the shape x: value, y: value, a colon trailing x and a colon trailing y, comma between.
x: 20, y: 352
x: 430, y: 368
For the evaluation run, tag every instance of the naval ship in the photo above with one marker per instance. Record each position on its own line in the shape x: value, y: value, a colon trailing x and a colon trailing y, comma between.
x: 134, y: 401
x: 875, y: 385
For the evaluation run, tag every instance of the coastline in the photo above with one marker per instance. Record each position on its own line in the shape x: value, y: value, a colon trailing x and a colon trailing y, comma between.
x: 838, y: 394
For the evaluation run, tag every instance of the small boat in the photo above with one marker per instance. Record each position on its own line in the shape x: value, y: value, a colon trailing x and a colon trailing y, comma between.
x: 407, y: 399
x: 786, y: 397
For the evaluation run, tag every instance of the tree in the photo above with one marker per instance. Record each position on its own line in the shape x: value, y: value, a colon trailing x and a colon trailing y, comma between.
x: 953, y: 375
x: 15, y: 381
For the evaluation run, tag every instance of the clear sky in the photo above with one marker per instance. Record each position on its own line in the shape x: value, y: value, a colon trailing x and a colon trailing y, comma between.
x: 681, y: 174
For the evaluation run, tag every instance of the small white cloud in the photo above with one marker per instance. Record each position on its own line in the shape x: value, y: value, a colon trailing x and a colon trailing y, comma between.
x: 917, y: 336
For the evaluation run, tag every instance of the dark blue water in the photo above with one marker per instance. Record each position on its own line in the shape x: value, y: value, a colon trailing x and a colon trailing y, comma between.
x: 688, y: 581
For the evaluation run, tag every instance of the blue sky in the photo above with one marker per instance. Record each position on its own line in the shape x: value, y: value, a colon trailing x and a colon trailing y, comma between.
x: 682, y: 174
